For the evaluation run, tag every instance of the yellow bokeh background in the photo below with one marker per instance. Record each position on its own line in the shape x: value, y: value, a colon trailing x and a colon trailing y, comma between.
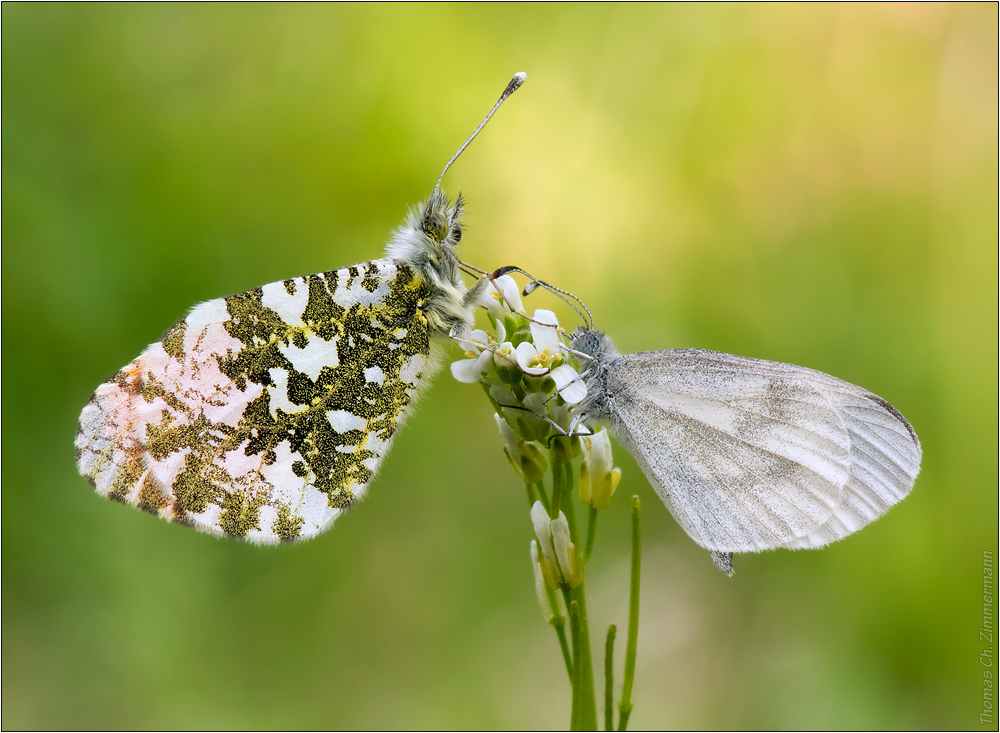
x: 815, y: 184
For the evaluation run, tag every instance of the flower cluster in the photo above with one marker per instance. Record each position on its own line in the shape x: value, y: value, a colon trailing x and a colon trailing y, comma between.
x: 523, y: 366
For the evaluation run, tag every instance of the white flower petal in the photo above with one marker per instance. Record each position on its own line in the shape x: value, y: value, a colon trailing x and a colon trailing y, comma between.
x: 568, y: 383
x: 475, y: 341
x: 544, y: 332
x: 512, y: 293
x: 465, y: 371
x: 498, y: 294
x: 527, y: 355
x: 600, y: 444
x: 470, y: 371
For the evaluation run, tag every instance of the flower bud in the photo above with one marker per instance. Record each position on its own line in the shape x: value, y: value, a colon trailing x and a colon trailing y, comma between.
x: 566, y: 552
x: 505, y: 362
x: 500, y: 295
x: 525, y: 458
x: 530, y: 422
x: 546, y: 556
x: 598, y: 479
x: 520, y: 335
x: 540, y: 591
x: 566, y: 447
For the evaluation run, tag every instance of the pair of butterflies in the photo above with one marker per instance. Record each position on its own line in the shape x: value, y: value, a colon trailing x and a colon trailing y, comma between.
x: 265, y: 415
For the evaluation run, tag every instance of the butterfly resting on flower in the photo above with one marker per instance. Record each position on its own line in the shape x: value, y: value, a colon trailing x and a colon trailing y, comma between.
x: 264, y: 415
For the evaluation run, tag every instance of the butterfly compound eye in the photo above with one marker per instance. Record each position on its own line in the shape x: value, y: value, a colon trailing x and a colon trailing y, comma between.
x: 436, y: 226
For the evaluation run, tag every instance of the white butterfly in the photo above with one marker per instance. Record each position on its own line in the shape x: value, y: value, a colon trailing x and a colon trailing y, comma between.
x: 747, y: 454
x: 265, y: 415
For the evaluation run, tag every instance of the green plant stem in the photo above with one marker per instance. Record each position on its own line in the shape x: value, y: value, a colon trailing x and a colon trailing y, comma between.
x: 625, y: 706
x: 585, y: 701
x: 591, y: 534
x: 609, y: 670
x: 574, y: 625
x: 541, y: 495
x: 558, y: 481
x: 559, y: 624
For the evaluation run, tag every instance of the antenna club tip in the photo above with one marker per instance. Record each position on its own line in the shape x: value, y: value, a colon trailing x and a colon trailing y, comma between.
x: 517, y: 81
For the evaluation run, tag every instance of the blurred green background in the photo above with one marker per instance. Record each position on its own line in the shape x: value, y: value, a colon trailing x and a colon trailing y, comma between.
x: 812, y: 184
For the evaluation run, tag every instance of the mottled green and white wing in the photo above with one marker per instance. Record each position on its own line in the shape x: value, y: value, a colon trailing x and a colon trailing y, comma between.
x: 264, y: 415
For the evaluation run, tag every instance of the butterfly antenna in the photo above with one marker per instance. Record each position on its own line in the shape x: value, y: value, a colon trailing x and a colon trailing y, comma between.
x: 564, y: 295
x: 512, y: 87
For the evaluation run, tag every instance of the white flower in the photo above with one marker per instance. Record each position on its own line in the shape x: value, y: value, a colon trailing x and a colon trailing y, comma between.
x: 496, y: 303
x: 530, y: 360
x: 545, y: 333
x: 538, y: 355
x: 474, y: 367
x: 501, y: 334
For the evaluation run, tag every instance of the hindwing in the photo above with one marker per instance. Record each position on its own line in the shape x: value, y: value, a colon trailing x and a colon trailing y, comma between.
x: 750, y: 455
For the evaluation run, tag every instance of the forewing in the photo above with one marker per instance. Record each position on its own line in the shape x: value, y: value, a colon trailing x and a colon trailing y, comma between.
x: 263, y: 415
x: 750, y: 455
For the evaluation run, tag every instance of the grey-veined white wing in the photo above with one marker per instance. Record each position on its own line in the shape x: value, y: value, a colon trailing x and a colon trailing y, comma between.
x: 748, y: 454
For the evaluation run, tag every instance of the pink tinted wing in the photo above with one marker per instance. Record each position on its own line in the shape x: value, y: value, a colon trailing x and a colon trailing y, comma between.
x: 263, y: 415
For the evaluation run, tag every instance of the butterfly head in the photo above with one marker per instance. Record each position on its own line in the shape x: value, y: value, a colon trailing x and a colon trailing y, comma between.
x: 440, y: 221
x: 430, y: 234
x: 595, y: 353
x: 594, y: 345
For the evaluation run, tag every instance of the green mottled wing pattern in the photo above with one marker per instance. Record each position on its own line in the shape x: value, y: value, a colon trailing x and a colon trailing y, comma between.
x: 264, y: 415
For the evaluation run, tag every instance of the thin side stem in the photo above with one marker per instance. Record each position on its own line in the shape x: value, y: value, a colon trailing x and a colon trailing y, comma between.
x: 558, y: 481
x: 625, y: 707
x: 609, y: 670
x: 559, y: 624
x: 541, y: 495
x: 574, y: 625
